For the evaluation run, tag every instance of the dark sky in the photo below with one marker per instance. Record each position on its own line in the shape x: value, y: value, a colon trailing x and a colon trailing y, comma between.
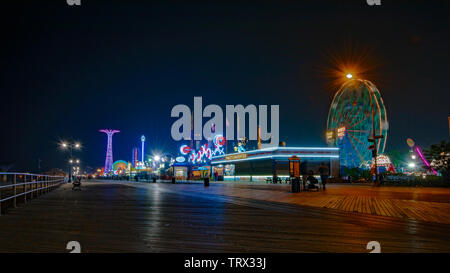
x: 67, y: 72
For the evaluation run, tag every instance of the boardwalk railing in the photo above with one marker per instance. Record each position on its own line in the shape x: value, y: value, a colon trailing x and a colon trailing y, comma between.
x: 20, y: 187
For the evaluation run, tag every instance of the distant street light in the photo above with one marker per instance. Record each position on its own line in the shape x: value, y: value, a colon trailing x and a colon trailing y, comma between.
x: 412, y: 165
x: 70, y: 146
x: 349, y: 76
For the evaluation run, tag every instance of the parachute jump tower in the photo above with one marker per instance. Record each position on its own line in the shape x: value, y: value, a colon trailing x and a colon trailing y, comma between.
x: 109, y: 154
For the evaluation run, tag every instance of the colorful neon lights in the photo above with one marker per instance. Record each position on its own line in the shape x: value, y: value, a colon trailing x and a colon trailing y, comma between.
x: 272, y: 149
x: 419, y: 152
x: 205, y: 152
x: 219, y: 142
x: 120, y: 165
x: 143, y: 144
x: 184, y: 149
x: 109, y: 153
x: 341, y: 132
x: 275, y: 156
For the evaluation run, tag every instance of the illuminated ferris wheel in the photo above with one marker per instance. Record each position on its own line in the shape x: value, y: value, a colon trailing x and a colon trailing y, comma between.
x: 349, y: 124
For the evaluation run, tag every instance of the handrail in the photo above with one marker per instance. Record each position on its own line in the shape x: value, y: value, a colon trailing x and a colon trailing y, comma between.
x: 27, y: 183
x: 33, y: 174
x: 43, y: 184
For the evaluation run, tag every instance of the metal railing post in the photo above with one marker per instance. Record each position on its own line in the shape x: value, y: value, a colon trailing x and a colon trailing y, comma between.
x: 25, y: 188
x: 31, y: 188
x: 25, y: 181
x: 0, y: 199
x: 15, y: 191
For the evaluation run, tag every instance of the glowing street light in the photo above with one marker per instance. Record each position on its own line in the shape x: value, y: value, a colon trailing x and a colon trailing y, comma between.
x: 412, y: 165
x: 70, y: 146
x: 157, y: 157
x: 349, y: 76
x: 413, y: 157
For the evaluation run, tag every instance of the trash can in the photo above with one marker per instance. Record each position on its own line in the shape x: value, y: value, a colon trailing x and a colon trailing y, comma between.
x: 173, y: 180
x: 295, y: 184
x: 206, y: 181
x: 154, y: 179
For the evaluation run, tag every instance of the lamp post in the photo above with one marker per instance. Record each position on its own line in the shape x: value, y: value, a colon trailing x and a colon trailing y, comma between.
x: 70, y: 146
x: 374, y: 138
x: 72, y: 167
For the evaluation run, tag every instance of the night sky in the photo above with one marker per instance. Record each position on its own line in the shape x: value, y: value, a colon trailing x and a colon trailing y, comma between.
x: 67, y: 72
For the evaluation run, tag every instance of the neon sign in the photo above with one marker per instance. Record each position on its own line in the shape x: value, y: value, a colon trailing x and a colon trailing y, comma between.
x: 205, y: 152
x: 184, y: 149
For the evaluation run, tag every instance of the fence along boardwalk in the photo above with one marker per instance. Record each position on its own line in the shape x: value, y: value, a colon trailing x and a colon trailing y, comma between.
x: 21, y: 187
x: 138, y: 217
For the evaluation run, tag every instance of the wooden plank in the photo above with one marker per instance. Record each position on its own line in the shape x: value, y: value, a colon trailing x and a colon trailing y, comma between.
x: 188, y: 218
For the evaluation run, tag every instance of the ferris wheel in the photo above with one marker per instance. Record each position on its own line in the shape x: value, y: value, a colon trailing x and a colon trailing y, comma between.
x: 349, y: 124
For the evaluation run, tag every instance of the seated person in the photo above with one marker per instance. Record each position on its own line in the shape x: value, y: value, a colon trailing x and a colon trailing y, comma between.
x: 77, y: 182
x: 313, y: 183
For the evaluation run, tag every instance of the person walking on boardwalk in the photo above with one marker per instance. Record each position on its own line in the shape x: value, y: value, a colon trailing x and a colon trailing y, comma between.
x: 324, y: 173
x: 303, y: 172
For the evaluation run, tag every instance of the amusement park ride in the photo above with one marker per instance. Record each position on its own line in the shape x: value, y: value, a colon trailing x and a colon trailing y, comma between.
x: 109, y: 152
x: 357, y: 123
x: 416, y: 150
x: 350, y: 124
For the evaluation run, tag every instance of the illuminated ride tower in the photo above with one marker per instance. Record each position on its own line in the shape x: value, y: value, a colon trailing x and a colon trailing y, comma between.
x: 142, y: 151
x: 109, y: 155
x: 134, y: 156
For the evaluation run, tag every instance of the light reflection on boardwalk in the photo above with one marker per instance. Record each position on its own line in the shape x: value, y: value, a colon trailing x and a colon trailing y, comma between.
x: 424, y: 204
x: 138, y: 217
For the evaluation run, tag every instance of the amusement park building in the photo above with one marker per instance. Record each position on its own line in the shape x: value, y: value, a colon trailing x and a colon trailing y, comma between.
x: 265, y: 163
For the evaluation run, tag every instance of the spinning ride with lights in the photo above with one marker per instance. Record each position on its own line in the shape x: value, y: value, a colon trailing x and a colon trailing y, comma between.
x: 120, y: 166
x: 349, y: 124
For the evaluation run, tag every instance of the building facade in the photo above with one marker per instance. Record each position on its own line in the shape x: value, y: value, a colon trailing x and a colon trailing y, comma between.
x: 259, y: 165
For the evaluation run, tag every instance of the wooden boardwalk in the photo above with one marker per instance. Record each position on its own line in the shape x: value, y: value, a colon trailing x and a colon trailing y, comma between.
x: 423, y: 204
x: 138, y: 217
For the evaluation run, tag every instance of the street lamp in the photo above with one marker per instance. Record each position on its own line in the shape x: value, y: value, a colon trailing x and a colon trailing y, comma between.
x: 349, y: 76
x: 374, y: 139
x: 70, y: 146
